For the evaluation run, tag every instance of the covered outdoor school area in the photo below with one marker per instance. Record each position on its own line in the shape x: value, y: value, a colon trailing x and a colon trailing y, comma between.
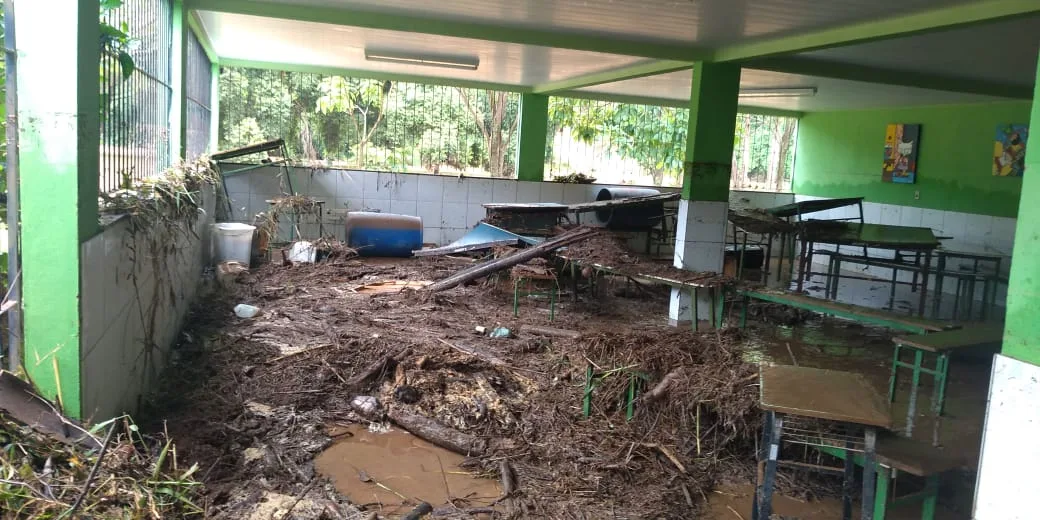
x: 870, y: 319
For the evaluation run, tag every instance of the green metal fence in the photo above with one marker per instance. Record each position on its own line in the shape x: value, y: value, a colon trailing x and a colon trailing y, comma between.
x: 199, y: 92
x: 135, y: 100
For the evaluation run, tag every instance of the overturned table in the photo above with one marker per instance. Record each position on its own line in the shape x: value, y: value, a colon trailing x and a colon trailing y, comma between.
x: 829, y: 395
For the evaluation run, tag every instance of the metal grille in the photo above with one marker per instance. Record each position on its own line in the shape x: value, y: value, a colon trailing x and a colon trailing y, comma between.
x: 371, y: 124
x: 619, y: 143
x: 199, y: 93
x: 135, y: 110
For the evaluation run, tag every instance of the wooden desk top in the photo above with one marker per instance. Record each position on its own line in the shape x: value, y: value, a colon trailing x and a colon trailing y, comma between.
x: 970, y: 336
x: 823, y: 394
x: 880, y: 236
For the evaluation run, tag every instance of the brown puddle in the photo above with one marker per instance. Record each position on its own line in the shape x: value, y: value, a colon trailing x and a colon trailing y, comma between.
x: 398, y: 464
x: 392, y: 286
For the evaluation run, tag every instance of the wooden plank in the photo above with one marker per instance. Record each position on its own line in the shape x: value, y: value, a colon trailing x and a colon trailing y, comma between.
x: 448, y: 250
x: 630, y: 201
x: 823, y: 394
x: 968, y: 337
x: 917, y: 458
x: 881, y: 236
x: 851, y: 312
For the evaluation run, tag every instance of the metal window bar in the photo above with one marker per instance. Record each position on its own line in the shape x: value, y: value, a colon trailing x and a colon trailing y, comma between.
x: 422, y: 129
x: 135, y: 141
x: 199, y: 102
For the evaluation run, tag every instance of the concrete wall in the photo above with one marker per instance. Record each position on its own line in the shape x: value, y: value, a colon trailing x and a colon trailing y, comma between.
x: 448, y: 205
x: 120, y: 361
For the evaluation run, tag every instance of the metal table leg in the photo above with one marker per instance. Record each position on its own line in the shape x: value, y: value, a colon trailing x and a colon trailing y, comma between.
x: 925, y: 271
x: 936, y: 306
x: 802, y: 264
x: 869, y: 472
x: 912, y: 407
x: 884, y: 481
x: 765, y: 498
x: 848, y: 482
x: 895, y: 370
x: 762, y: 455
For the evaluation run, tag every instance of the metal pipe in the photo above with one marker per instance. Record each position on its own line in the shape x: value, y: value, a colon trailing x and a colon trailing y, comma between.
x: 14, y: 315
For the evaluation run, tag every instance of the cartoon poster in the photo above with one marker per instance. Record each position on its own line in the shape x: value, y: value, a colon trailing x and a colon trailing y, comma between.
x: 1009, y: 150
x: 902, y: 142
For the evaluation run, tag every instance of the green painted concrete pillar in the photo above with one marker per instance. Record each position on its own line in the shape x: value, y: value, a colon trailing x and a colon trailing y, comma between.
x: 534, y: 125
x: 58, y: 112
x: 1022, y: 328
x: 709, y: 142
x: 214, y: 109
x: 178, y: 82
x: 701, y: 224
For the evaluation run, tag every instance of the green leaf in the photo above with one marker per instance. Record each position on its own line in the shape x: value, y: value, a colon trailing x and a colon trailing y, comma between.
x: 126, y: 64
x: 108, y: 5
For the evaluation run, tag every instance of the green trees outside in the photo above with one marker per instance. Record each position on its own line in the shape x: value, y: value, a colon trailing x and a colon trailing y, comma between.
x: 407, y: 127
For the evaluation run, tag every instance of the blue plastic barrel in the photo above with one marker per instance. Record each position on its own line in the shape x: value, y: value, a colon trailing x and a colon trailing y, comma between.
x: 383, y: 234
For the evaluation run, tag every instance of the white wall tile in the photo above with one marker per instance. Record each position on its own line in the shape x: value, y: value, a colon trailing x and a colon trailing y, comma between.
x: 455, y: 189
x: 954, y: 225
x: 932, y: 218
x: 449, y: 235
x: 891, y: 214
x: 978, y: 227
x: 322, y: 184
x: 911, y: 217
x: 377, y: 205
x: 481, y: 191
x: 430, y: 213
x: 403, y: 207
x: 349, y: 204
x: 430, y: 188
x: 264, y: 180
x: 504, y: 191
x: 92, y: 290
x: 453, y: 215
x: 433, y: 236
x: 404, y: 186
x: 238, y: 183
x: 377, y: 186
x: 474, y: 214
x: 575, y: 193
x: 872, y: 212
x: 551, y: 192
x: 239, y: 206
x: 528, y: 191
x: 351, y: 185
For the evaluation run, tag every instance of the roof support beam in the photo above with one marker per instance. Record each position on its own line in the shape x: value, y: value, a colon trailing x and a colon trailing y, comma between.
x: 638, y: 70
x: 903, y: 78
x: 404, y: 21
x: 371, y: 74
x: 200, y: 32
x: 905, y: 25
x: 667, y: 102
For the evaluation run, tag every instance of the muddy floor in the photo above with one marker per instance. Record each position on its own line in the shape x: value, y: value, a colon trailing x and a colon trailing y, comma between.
x: 304, y: 411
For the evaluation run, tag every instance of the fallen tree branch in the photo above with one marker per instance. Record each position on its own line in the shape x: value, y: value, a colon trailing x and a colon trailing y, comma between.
x: 377, y: 367
x: 93, y: 473
x: 668, y: 454
x: 662, y: 388
x: 551, y: 332
x: 481, y: 270
x: 435, y: 432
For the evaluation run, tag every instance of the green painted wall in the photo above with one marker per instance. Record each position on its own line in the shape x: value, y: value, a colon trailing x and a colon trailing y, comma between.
x: 840, y: 153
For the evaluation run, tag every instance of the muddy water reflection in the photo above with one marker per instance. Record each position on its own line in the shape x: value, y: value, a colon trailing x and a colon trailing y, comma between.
x: 396, y: 470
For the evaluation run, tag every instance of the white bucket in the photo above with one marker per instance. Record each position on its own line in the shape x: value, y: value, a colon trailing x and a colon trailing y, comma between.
x: 232, y: 242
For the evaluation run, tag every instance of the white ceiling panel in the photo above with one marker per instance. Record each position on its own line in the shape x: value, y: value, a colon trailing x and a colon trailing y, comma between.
x: 707, y: 22
x: 1000, y: 51
x: 258, y: 39
x: 832, y: 94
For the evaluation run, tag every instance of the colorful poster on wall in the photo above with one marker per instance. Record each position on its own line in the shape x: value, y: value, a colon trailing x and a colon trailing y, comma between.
x: 1009, y: 150
x: 902, y: 142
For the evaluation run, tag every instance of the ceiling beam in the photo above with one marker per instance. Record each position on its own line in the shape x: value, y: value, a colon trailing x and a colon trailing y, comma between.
x: 200, y: 32
x: 883, y: 76
x: 371, y: 74
x: 669, y: 102
x: 408, y: 22
x: 638, y: 70
x: 892, y: 27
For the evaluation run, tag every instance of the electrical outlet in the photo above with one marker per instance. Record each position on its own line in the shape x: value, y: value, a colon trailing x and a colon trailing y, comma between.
x: 917, y: 194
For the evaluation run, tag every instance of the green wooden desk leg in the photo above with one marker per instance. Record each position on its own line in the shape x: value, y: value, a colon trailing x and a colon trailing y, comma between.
x: 695, y: 294
x: 939, y: 394
x: 931, y: 491
x: 516, y: 297
x: 912, y: 408
x: 884, y: 479
x: 892, y: 379
x: 586, y: 401
x: 719, y: 301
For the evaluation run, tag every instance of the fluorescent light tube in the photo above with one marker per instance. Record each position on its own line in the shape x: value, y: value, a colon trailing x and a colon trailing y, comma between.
x: 448, y: 62
x: 777, y: 92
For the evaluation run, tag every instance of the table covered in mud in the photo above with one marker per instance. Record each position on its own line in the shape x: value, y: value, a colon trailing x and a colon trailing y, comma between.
x: 789, y: 393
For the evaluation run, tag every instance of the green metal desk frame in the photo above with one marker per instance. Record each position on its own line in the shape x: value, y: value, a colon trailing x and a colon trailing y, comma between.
x: 939, y: 373
x: 886, y: 477
x: 636, y: 381
x: 517, y: 293
x: 717, y: 297
x: 850, y: 312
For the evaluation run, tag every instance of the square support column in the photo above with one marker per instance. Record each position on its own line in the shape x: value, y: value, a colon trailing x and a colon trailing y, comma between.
x: 59, y: 133
x: 534, y: 126
x: 701, y: 229
x: 214, y: 109
x: 178, y: 82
